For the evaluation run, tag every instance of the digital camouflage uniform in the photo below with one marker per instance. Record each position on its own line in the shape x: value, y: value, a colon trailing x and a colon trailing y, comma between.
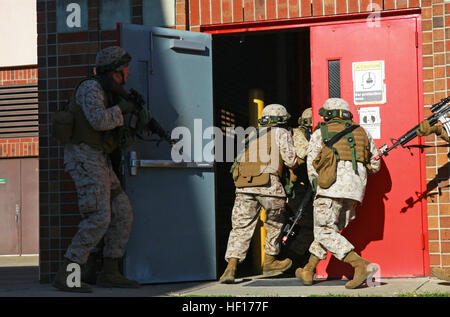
x: 300, y: 143
x: 300, y: 137
x: 334, y: 207
x: 249, y: 201
x: 256, y: 175
x: 298, y: 245
x: 97, y: 107
x: 104, y: 206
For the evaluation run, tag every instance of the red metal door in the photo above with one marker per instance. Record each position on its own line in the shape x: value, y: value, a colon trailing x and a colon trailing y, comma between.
x: 387, y: 230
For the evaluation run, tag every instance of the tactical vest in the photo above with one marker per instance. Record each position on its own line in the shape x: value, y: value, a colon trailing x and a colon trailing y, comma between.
x: 106, y: 141
x: 253, y: 170
x: 352, y: 147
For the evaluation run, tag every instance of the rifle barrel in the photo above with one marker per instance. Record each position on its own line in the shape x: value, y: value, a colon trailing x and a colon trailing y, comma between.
x: 437, y: 106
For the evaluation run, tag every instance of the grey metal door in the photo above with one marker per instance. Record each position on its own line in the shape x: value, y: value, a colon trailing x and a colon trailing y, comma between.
x: 19, y: 197
x: 173, y: 235
x: 10, y: 207
x: 29, y: 179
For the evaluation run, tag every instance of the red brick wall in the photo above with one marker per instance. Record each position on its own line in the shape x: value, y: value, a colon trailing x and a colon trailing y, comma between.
x: 18, y: 75
x: 436, y: 75
x: 204, y: 12
x: 18, y: 147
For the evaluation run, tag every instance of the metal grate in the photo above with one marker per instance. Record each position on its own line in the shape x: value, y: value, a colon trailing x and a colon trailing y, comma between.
x: 19, y: 111
x: 334, y: 78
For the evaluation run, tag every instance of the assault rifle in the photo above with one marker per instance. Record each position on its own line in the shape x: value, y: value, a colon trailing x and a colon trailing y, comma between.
x: 153, y: 125
x: 288, y: 230
x: 439, y: 110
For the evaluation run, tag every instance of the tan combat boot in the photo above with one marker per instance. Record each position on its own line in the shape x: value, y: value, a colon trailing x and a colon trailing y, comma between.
x: 362, y: 267
x: 111, y: 277
x: 306, y: 274
x: 228, y: 276
x: 60, y: 281
x: 272, y: 267
x: 441, y: 273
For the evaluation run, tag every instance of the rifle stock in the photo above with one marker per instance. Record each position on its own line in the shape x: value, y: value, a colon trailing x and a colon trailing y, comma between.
x: 288, y: 230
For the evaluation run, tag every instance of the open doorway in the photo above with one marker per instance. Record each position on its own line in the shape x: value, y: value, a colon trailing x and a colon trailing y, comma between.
x: 278, y: 63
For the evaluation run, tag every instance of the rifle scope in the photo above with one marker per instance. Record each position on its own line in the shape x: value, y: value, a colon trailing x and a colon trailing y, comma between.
x: 440, y: 104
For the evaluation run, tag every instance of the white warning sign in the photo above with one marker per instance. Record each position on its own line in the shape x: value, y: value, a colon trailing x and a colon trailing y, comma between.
x: 370, y: 119
x: 368, y: 83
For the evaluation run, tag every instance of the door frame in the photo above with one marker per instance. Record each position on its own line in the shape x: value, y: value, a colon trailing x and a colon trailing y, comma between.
x: 284, y: 24
x: 305, y: 22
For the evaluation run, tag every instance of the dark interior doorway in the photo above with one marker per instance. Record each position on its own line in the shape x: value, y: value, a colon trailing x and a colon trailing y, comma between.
x: 278, y: 63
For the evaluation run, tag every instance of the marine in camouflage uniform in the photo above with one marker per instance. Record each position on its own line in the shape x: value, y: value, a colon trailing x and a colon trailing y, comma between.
x: 334, y: 207
x: 297, y: 247
x: 424, y: 130
x: 105, y: 209
x: 302, y: 134
x: 270, y: 196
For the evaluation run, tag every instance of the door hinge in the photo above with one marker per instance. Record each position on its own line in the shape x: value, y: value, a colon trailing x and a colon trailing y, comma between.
x: 423, y: 241
x: 417, y: 39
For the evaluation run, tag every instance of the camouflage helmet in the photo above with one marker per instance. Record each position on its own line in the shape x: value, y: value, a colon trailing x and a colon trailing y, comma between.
x: 306, y: 118
x: 274, y: 110
x: 274, y: 114
x: 112, y: 58
x: 336, y: 104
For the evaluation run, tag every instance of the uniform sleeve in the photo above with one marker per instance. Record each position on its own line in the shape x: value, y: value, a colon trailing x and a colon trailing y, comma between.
x: 300, y: 143
x: 314, y: 148
x: 442, y: 133
x: 91, y: 98
x: 374, y: 163
x: 286, y: 146
x: 444, y: 136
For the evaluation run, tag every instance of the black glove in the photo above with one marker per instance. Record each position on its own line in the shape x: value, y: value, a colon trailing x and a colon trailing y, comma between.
x: 155, y: 127
x: 127, y: 106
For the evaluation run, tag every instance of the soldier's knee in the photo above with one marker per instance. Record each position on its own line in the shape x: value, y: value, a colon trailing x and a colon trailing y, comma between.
x: 116, y: 192
x: 103, y: 220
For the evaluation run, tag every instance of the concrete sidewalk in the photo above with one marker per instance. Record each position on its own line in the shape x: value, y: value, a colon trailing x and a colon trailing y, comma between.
x: 23, y: 282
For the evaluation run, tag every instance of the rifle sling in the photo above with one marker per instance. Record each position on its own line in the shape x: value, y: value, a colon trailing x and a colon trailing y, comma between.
x: 422, y: 147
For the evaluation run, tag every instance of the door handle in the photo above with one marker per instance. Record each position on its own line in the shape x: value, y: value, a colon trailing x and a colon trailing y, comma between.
x: 187, y: 46
x: 135, y: 163
x: 17, y: 213
x: 152, y: 36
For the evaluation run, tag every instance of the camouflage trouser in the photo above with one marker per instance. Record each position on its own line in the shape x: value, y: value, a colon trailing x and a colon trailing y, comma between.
x: 105, y: 209
x: 244, y: 218
x: 330, y: 216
